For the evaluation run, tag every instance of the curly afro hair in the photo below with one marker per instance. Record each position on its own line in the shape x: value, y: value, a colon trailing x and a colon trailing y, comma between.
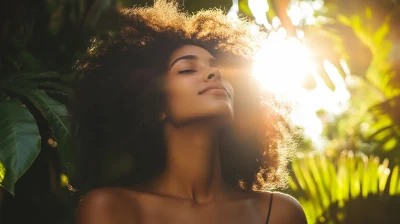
x: 118, y: 137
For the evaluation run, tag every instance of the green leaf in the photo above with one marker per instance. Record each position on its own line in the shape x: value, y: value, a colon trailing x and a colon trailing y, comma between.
x: 380, y: 131
x: 244, y: 8
x: 382, y: 32
x: 28, y: 61
x: 390, y: 144
x: 55, y: 86
x: 71, y: 77
x: 271, y: 12
x: 21, y: 86
x: 40, y: 75
x: 56, y: 19
x: 344, y: 20
x: 393, y: 181
x: 368, y: 13
x: 319, y: 181
x: 19, y: 142
x: 57, y: 116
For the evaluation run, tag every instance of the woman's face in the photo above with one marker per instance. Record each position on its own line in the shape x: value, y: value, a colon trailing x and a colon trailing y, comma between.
x: 195, y: 89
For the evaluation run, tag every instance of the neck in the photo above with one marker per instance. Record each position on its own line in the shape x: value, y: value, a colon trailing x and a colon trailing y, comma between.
x: 193, y: 169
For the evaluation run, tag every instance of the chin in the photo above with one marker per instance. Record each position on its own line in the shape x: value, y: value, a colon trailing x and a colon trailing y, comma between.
x: 222, y: 115
x: 218, y: 114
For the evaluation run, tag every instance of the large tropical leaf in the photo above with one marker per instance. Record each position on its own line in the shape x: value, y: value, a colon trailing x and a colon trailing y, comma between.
x: 32, y: 86
x: 57, y: 116
x: 318, y: 182
x: 384, y: 132
x: 19, y: 142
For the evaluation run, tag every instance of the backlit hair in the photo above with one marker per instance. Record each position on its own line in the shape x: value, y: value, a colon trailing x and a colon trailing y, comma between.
x: 115, y: 111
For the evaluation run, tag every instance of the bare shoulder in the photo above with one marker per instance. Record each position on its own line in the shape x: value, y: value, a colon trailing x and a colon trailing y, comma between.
x: 105, y: 206
x: 284, y: 208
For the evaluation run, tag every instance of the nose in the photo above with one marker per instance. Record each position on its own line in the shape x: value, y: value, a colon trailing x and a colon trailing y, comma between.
x: 214, y: 73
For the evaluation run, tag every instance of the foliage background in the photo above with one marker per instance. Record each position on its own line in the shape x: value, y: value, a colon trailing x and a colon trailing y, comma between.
x: 357, y: 170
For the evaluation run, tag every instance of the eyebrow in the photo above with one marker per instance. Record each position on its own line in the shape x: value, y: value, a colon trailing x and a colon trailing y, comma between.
x: 191, y: 57
x: 188, y: 57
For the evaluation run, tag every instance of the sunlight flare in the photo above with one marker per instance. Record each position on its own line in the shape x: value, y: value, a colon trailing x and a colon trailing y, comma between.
x: 302, y: 12
x: 284, y: 65
x: 259, y: 8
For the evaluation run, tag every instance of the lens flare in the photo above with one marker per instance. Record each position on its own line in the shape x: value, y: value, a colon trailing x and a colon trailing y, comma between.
x: 284, y: 64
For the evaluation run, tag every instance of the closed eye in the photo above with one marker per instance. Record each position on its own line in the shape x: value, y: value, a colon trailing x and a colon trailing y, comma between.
x: 187, y: 71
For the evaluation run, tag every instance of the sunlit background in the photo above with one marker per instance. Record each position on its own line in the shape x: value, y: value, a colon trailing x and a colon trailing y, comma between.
x: 348, y: 115
x: 285, y: 64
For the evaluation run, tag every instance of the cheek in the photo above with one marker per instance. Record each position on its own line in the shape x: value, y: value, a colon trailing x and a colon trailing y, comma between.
x: 180, y: 96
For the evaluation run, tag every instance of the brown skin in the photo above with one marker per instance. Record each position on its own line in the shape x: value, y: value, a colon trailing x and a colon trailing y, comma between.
x: 191, y: 189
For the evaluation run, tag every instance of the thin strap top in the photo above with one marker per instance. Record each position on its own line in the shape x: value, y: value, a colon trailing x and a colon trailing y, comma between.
x: 270, y: 206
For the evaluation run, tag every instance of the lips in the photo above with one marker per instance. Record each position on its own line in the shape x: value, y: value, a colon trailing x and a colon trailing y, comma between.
x: 211, y: 87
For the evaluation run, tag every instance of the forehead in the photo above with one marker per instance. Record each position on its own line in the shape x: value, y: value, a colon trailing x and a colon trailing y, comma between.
x: 189, y: 50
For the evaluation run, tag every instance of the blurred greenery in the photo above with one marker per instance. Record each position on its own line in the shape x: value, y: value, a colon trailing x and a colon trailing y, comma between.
x: 324, y: 185
x: 42, y: 39
x: 374, y: 123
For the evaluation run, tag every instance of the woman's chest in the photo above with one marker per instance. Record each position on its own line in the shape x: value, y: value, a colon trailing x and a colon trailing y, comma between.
x: 173, y: 213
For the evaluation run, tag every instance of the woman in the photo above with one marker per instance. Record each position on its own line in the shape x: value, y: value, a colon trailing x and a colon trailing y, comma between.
x: 170, y: 128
